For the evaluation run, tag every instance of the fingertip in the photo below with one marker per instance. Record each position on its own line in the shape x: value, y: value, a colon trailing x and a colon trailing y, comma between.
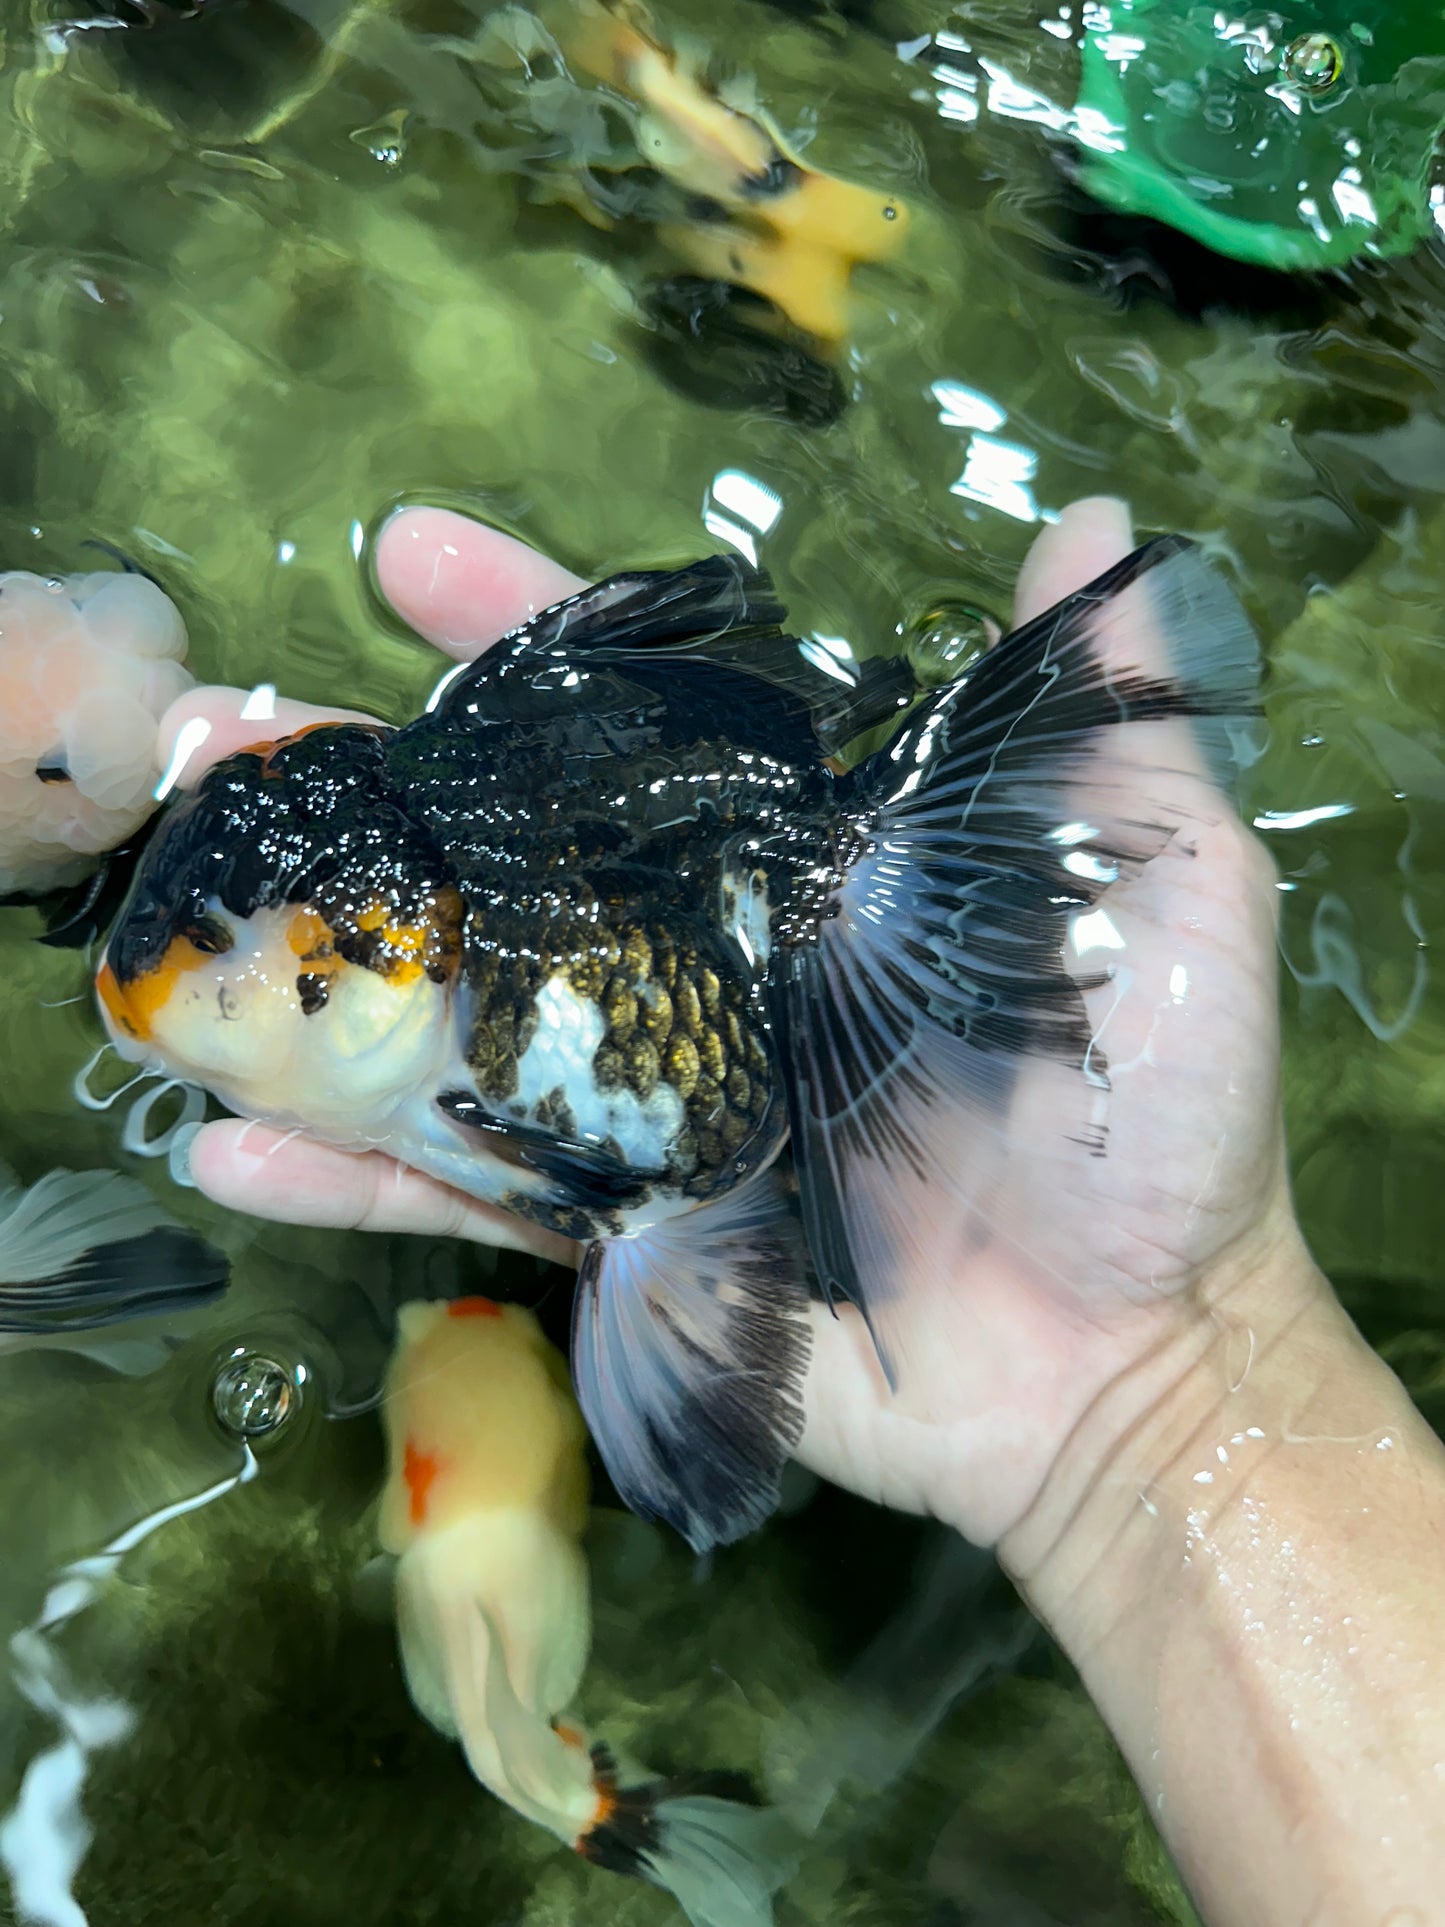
x: 212, y: 721
x: 1089, y: 537
x: 461, y: 584
x: 217, y: 1165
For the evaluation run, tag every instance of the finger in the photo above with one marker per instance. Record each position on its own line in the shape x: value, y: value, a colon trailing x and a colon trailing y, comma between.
x: 212, y: 722
x: 855, y: 1432
x: 1088, y: 538
x: 293, y: 1179
x: 461, y: 584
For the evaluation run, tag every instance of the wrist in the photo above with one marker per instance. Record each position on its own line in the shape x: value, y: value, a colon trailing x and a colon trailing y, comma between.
x: 1242, y: 1549
x: 1169, y: 1446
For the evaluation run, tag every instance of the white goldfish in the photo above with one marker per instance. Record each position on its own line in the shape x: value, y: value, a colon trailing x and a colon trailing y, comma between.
x: 88, y: 665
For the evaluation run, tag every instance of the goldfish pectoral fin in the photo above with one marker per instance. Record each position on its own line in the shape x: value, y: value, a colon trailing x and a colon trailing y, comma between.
x: 944, y: 1083
x: 689, y: 1347
x: 584, y: 1172
x: 721, y: 1860
x: 81, y: 1249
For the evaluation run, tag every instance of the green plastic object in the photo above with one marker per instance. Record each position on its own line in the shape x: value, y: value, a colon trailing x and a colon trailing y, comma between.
x: 1290, y: 137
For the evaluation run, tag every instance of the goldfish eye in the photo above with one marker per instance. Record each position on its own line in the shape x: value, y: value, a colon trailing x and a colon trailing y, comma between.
x: 51, y: 770
x: 1314, y: 63
x: 210, y: 936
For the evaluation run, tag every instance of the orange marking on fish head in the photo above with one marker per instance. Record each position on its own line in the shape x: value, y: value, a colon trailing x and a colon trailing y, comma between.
x: 473, y: 1308
x: 308, y: 932
x: 134, y: 1007
x: 420, y: 1470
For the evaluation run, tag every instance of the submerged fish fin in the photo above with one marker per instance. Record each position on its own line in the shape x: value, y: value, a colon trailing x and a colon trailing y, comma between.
x: 78, y: 915
x: 688, y: 1351
x: 1069, y: 757
x: 165, y: 1271
x: 589, y: 1175
x: 127, y: 563
x: 81, y: 1249
x: 672, y: 626
x: 721, y: 1859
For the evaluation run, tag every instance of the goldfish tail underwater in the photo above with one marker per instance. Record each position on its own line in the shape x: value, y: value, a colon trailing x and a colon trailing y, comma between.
x: 689, y: 1347
x: 1006, y: 807
x: 721, y: 1860
x: 938, y: 964
x: 83, y: 1249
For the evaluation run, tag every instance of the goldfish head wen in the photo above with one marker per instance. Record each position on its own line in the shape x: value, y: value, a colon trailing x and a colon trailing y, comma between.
x: 88, y: 664
x: 1287, y: 136
x: 288, y: 941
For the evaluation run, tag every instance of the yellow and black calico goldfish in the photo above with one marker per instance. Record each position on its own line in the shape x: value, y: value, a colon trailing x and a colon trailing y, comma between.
x: 608, y: 927
x: 484, y: 1508
x: 760, y: 217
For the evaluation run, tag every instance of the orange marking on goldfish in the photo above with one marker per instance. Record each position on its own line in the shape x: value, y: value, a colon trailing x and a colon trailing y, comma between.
x: 308, y: 934
x: 420, y: 1470
x: 473, y: 1308
x: 608, y: 1801
x: 569, y: 1736
x: 134, y: 1007
x: 282, y: 742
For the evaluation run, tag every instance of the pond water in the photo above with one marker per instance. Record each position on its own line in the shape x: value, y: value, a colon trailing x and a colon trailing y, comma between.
x: 268, y: 272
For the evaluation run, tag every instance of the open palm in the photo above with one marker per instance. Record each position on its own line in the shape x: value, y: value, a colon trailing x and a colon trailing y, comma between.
x: 1005, y: 1337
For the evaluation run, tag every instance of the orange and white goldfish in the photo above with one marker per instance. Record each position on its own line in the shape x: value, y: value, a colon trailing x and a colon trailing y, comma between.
x: 786, y: 231
x: 484, y: 1507
x: 88, y: 665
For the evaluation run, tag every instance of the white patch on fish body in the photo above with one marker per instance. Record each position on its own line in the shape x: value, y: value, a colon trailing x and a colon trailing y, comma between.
x: 561, y: 1056
x: 747, y: 914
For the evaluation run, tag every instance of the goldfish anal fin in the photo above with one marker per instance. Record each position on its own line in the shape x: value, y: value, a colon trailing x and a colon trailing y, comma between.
x: 1005, y: 808
x: 689, y: 1347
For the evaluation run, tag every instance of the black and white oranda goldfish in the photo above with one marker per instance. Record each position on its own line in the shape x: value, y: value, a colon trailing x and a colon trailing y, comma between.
x: 607, y: 928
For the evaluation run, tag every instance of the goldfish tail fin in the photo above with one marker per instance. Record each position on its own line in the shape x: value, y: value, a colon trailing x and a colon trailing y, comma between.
x: 941, y: 1068
x: 81, y: 1249
x: 689, y: 1346
x: 721, y: 1859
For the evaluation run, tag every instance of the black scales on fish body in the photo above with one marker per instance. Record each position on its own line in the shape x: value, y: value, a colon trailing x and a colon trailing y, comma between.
x: 609, y: 926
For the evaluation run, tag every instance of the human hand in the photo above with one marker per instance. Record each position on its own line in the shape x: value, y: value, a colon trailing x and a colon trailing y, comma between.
x: 1011, y: 1348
